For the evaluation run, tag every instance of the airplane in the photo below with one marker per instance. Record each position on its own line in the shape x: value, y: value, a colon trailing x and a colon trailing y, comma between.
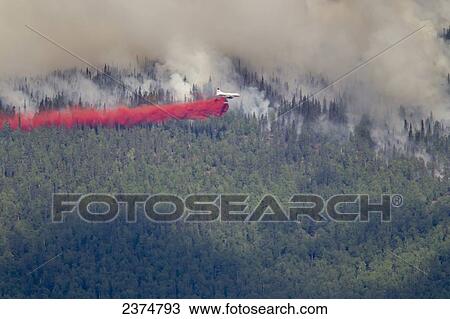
x: 228, y: 96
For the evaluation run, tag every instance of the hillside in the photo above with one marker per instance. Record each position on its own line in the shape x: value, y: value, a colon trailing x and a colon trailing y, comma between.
x: 408, y: 257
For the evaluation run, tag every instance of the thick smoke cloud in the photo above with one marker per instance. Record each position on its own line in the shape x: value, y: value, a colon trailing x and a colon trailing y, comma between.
x: 321, y: 37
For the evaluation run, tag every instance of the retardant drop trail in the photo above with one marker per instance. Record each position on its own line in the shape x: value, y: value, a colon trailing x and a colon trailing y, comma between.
x: 124, y: 116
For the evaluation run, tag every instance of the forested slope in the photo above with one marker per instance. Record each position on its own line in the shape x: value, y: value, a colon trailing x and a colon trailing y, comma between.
x: 408, y: 257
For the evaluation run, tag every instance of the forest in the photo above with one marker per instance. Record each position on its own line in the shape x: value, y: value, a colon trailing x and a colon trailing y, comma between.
x: 407, y: 257
x: 316, y: 149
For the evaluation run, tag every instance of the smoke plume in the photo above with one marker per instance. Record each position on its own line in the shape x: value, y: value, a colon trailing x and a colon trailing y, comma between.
x: 325, y: 38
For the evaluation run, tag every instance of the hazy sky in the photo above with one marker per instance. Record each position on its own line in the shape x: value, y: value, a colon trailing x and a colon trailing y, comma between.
x: 326, y: 37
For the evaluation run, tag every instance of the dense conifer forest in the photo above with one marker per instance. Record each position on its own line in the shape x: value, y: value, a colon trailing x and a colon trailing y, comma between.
x: 407, y: 257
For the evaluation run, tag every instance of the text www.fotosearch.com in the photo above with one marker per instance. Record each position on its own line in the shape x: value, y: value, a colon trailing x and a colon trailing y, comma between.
x: 240, y: 309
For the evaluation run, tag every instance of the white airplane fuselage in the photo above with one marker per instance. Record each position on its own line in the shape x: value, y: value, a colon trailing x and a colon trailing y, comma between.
x: 226, y: 95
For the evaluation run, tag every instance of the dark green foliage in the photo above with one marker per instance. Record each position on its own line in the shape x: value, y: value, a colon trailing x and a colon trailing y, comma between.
x: 218, y: 260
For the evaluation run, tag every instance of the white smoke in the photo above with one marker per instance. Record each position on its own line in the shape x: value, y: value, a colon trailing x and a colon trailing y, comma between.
x: 325, y: 38
x: 12, y: 96
x: 252, y: 101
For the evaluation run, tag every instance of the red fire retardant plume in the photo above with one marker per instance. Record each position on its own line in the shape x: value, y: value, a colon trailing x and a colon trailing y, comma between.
x: 124, y: 116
